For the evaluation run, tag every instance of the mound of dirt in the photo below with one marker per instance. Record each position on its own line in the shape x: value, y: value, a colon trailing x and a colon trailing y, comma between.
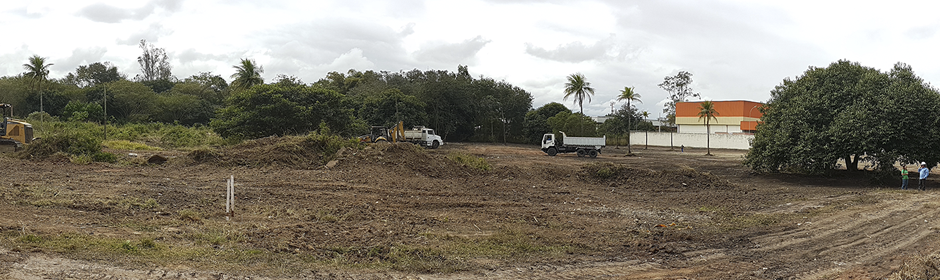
x: 681, y: 177
x: 298, y: 152
x: 402, y: 158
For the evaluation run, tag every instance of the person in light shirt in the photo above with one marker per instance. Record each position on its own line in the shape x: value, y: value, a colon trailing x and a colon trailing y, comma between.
x: 924, y: 172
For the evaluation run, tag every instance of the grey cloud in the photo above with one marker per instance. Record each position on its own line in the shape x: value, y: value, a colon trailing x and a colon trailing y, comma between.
x: 100, y: 12
x: 191, y: 55
x: 577, y: 51
x: 104, y: 13
x: 451, y: 54
x: 152, y: 33
x: 320, y: 42
x: 79, y: 57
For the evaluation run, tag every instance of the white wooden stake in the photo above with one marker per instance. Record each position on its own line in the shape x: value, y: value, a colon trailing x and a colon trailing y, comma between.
x: 233, y: 194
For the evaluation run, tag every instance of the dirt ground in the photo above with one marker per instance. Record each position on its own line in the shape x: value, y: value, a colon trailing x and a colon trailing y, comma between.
x: 395, y: 212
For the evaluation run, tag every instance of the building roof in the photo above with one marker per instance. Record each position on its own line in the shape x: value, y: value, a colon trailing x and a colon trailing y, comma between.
x: 727, y: 108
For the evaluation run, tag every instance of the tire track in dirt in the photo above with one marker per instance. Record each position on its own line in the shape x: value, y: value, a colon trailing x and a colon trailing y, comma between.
x: 859, y: 236
x: 853, y: 237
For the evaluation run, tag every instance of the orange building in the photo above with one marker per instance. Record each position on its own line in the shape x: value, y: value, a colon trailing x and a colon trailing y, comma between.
x: 736, y: 116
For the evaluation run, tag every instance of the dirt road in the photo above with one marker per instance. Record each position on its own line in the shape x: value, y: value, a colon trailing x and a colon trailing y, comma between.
x: 399, y: 214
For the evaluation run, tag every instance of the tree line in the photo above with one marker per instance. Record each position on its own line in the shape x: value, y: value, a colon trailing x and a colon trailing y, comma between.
x: 458, y: 106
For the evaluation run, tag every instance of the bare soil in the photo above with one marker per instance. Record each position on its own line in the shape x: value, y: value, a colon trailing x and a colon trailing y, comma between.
x: 399, y: 212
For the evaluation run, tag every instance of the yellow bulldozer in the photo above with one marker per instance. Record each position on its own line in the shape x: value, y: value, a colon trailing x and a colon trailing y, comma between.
x: 381, y: 134
x: 13, y: 133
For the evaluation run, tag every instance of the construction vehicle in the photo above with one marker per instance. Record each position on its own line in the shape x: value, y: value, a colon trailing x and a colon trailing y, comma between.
x: 13, y: 133
x: 583, y: 146
x: 419, y: 135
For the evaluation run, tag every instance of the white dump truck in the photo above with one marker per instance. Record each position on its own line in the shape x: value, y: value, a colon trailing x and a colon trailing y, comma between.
x: 583, y: 146
x: 424, y: 137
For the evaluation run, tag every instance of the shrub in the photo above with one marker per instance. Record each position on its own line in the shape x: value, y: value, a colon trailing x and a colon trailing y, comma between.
x: 72, y: 142
x: 104, y: 157
x: 469, y: 160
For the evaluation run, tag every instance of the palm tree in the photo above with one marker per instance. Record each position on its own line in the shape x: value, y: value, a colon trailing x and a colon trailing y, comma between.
x: 37, y: 71
x: 580, y: 88
x: 707, y: 111
x: 247, y: 75
x: 646, y: 116
x: 629, y: 95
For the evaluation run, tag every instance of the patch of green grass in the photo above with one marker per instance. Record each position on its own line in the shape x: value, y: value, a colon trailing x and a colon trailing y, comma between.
x: 471, y: 161
x: 605, y: 173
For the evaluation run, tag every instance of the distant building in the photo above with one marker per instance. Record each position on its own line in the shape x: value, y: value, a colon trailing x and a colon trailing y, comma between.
x: 734, y: 117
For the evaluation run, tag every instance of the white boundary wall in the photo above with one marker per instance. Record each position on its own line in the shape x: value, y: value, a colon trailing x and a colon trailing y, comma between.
x: 692, y: 140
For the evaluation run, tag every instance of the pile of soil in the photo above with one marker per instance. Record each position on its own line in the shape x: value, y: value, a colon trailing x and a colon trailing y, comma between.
x: 297, y: 152
x: 401, y: 159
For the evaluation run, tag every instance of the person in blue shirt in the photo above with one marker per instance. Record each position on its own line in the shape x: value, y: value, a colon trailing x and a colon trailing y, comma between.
x: 924, y: 171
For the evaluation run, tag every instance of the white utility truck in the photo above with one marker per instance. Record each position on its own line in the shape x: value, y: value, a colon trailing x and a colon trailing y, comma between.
x: 583, y: 146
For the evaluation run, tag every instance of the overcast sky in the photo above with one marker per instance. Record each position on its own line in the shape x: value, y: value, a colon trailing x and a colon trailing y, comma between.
x: 736, y: 50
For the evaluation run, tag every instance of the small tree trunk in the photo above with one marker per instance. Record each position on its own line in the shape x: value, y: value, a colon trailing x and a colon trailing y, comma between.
x: 851, y: 165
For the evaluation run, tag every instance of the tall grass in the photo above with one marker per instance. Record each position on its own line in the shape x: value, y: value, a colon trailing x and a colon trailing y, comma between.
x: 158, y: 135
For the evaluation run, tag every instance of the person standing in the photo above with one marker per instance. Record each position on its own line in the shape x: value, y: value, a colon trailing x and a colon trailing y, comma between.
x: 904, y: 178
x: 924, y: 171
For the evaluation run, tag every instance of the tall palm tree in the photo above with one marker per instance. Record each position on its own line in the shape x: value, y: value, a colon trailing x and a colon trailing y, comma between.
x: 579, y: 88
x: 646, y: 116
x: 707, y: 111
x: 629, y: 95
x: 37, y: 71
x: 247, y: 75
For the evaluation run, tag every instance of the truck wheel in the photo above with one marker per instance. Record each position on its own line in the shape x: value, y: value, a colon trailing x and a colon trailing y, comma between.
x: 552, y: 152
x: 580, y: 153
x: 593, y: 153
x: 435, y: 145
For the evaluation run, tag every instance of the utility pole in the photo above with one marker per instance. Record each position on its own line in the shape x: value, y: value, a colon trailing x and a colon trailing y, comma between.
x: 105, y: 112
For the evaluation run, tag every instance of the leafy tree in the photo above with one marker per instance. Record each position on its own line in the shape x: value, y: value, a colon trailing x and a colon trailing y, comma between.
x: 707, y: 111
x: 154, y: 64
x: 850, y: 112
x: 94, y: 74
x: 81, y: 111
x: 130, y: 101
x: 37, y: 70
x: 578, y: 87
x: 392, y: 106
x: 573, y: 124
x: 159, y: 86
x: 55, y: 101
x: 247, y: 75
x: 212, y: 88
x: 629, y: 95
x: 622, y: 121
x: 287, y: 80
x: 15, y: 90
x: 502, y: 107
x: 678, y: 88
x: 182, y: 108
x: 266, y: 110
x: 536, y: 121
x: 451, y: 107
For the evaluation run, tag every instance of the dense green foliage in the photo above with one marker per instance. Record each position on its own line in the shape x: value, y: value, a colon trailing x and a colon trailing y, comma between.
x: 850, y: 112
x: 458, y: 106
x: 536, y: 121
x: 268, y: 110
